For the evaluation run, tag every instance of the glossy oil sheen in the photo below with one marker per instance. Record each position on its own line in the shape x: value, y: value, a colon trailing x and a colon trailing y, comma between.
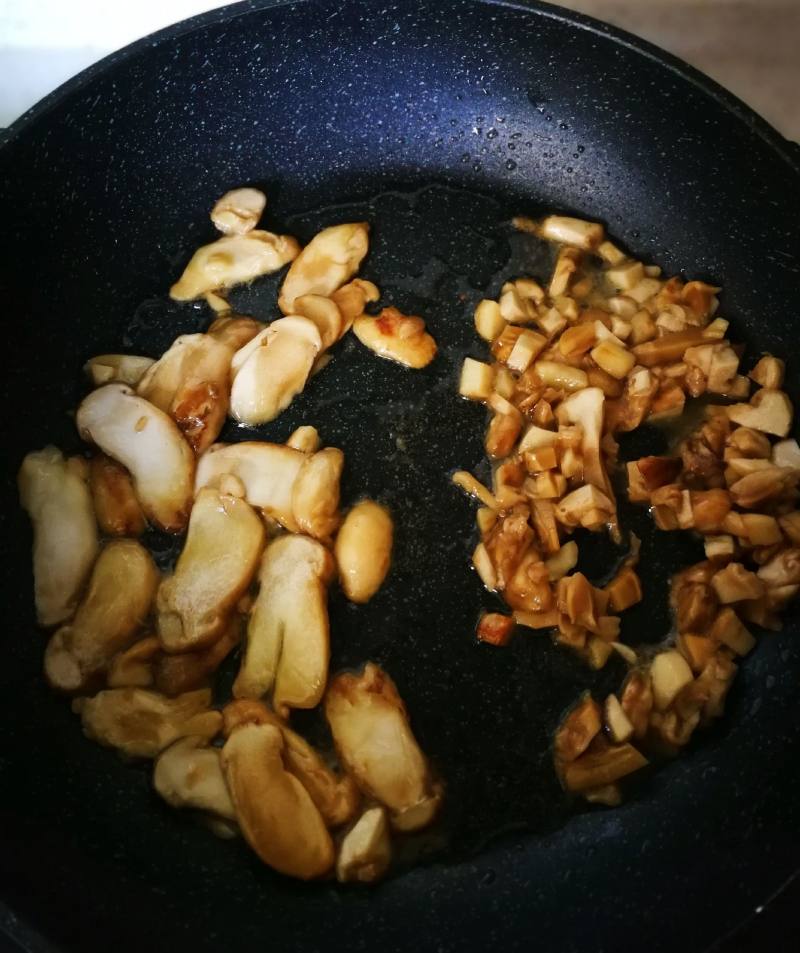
x: 436, y: 122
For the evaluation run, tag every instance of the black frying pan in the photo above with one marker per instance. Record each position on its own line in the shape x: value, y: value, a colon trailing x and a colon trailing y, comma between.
x: 436, y: 121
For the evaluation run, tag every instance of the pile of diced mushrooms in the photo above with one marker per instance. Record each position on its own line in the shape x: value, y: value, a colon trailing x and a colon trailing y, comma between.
x: 606, y: 346
x: 137, y: 651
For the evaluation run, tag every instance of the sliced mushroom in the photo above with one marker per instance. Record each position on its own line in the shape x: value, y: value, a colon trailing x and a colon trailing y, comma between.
x: 352, y: 299
x: 288, y: 633
x: 189, y: 774
x: 234, y: 331
x: 54, y: 492
x: 364, y: 550
x: 324, y: 313
x: 117, y: 368
x: 115, y: 505
x: 176, y: 674
x: 219, y: 559
x: 191, y: 383
x: 272, y: 369
x: 769, y: 411
x: 238, y: 211
x: 315, y: 496
x: 330, y: 259
x: 397, y: 337
x: 116, y: 603
x: 133, y: 667
x: 336, y: 798
x: 268, y: 472
x: 370, y: 728
x: 233, y: 260
x: 585, y: 409
x: 366, y: 851
x: 275, y: 812
x: 141, y: 723
x: 148, y: 443
x: 305, y: 438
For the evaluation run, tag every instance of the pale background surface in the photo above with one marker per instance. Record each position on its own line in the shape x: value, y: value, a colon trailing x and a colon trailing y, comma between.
x: 749, y: 46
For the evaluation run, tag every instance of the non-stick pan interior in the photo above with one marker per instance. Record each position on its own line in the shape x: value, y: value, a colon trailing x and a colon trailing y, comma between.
x: 436, y: 123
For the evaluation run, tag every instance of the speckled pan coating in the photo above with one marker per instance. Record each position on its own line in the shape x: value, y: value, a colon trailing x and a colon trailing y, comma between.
x: 105, y: 189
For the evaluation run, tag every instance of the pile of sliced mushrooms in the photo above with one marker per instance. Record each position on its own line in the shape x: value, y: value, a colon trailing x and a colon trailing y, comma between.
x: 607, y: 346
x: 265, y: 539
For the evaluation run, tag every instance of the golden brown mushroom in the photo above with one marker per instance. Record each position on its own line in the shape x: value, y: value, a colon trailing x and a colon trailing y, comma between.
x: 189, y: 774
x: 364, y: 550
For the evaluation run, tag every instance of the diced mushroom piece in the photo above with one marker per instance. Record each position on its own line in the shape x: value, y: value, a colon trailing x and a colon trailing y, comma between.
x: 561, y: 376
x: 734, y: 583
x: 729, y: 630
x: 489, y: 322
x: 585, y: 409
x: 275, y: 812
x: 233, y: 260
x: 769, y: 411
x: 191, y: 383
x: 577, y: 731
x: 141, y: 723
x: 115, y: 505
x: 184, y: 672
x: 117, y: 368
x: 786, y: 453
x: 587, y: 506
x: 667, y: 349
x: 370, y: 728
x: 288, y: 634
x: 769, y: 373
x: 696, y: 649
x: 234, y: 331
x: 572, y: 231
x: 397, y: 337
x: 148, y: 443
x: 113, y: 609
x: 305, y: 439
x: 670, y: 673
x: 238, y: 211
x: 329, y: 260
x: 54, y: 492
x: 495, y: 628
x: 324, y: 313
x: 221, y: 553
x: 620, y: 728
x: 764, y: 484
x: 364, y: 550
x: 564, y: 561
x: 366, y: 850
x: 477, y: 380
x: 637, y: 701
x: 526, y: 349
x: 782, y: 570
x: 189, y: 774
x: 353, y: 298
x: 624, y: 590
x: 272, y: 369
x: 598, y: 768
x: 315, y: 495
x: 267, y: 471
x: 133, y: 667
x: 336, y: 797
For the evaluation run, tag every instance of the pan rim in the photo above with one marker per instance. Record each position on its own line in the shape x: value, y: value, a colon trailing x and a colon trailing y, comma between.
x: 789, y: 151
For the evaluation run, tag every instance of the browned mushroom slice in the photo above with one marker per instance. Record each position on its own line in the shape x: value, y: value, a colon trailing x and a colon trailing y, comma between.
x: 238, y: 211
x: 55, y: 495
x: 352, y: 298
x: 324, y: 313
x: 370, y: 728
x: 275, y: 812
x: 117, y: 368
x: 288, y: 635
x: 175, y: 674
x: 148, y: 443
x: 141, y: 723
x: 113, y: 609
x: 133, y: 667
x: 234, y: 330
x: 336, y: 798
x: 115, y: 505
x: 233, y: 260
x: 397, y: 337
x: 366, y: 850
x: 219, y: 559
x: 330, y: 259
x: 364, y: 550
x: 315, y: 496
x: 189, y: 774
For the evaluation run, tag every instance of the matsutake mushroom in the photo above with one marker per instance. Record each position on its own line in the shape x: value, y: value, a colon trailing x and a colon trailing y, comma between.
x: 336, y: 797
x: 397, y: 337
x: 189, y: 774
x: 364, y: 550
x: 238, y: 211
x: 54, y: 492
x: 148, y: 443
x: 329, y: 260
x: 374, y: 740
x: 175, y: 674
x: 276, y: 814
x: 141, y: 723
x: 117, y: 368
x: 315, y: 495
x: 222, y: 550
x: 366, y: 850
x: 288, y: 638
x: 115, y: 504
x: 113, y: 609
x: 233, y: 260
x: 234, y: 330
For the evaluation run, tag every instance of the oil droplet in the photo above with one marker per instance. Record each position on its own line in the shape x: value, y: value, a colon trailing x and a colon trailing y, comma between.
x: 511, y: 165
x: 570, y: 169
x: 581, y: 149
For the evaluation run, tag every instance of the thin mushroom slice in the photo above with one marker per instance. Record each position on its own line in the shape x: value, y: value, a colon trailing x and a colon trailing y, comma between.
x: 352, y: 299
x: 267, y: 471
x: 288, y: 640
x: 219, y: 559
x: 329, y: 260
x: 148, y: 443
x: 140, y: 723
x: 325, y: 314
x: 337, y: 798
x: 364, y: 550
x: 117, y: 368
x: 189, y: 774
x: 233, y: 260
x: 374, y: 740
x: 275, y: 812
x: 275, y: 369
x: 234, y: 331
x: 54, y: 492
x: 366, y: 850
x: 115, y: 504
x: 305, y: 438
x: 133, y: 667
x: 116, y: 603
x: 176, y: 674
x: 238, y: 211
x: 397, y: 337
x: 191, y: 383
x: 315, y: 495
